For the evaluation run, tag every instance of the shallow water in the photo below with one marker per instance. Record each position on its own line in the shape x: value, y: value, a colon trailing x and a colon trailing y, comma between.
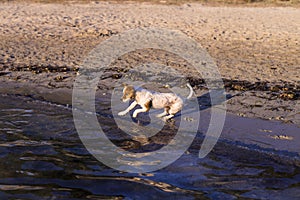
x: 42, y: 157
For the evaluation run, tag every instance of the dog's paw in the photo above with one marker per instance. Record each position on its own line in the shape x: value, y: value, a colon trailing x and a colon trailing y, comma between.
x: 165, y: 119
x: 122, y: 113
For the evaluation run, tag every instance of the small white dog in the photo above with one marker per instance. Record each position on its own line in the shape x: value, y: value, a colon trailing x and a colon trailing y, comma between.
x: 171, y: 102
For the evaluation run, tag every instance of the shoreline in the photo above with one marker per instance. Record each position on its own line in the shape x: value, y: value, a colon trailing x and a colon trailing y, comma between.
x: 273, y: 138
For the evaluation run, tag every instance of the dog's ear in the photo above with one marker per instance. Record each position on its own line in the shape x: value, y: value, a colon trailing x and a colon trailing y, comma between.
x: 124, y: 84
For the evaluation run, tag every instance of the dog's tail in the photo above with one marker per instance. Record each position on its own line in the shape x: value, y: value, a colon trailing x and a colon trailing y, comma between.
x: 191, y: 91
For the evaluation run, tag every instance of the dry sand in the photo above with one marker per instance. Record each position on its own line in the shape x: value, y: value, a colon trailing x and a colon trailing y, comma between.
x: 256, y: 49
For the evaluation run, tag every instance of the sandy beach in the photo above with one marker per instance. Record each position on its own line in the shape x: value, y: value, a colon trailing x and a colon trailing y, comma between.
x: 255, y: 48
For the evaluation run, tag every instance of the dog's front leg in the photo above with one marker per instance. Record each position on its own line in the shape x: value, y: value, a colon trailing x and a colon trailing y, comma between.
x: 145, y: 107
x: 136, y: 112
x: 132, y: 105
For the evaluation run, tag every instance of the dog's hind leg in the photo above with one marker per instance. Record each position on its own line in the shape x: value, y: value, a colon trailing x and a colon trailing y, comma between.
x: 166, y: 118
x: 164, y: 113
x: 175, y: 108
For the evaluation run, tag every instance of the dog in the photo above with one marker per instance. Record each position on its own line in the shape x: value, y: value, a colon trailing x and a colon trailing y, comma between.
x: 171, y: 102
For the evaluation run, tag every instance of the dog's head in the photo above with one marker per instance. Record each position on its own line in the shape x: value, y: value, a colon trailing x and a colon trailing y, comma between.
x: 128, y: 93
